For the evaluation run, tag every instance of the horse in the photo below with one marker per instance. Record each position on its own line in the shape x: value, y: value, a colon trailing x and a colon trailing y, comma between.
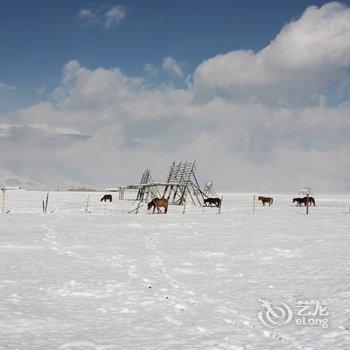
x: 265, y: 200
x: 301, y: 201
x: 311, y: 201
x: 158, y: 203
x: 106, y: 197
x: 210, y: 201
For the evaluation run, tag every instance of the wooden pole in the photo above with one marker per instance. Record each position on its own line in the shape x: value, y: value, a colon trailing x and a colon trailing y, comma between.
x: 138, y: 206
x: 307, y: 204
x: 219, y: 211
x: 3, y: 201
x: 253, y: 207
x: 198, y: 187
x: 87, y: 204
x: 46, y: 202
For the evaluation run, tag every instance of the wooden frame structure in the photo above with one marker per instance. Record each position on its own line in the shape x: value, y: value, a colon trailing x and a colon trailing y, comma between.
x: 143, y: 189
x: 181, y: 183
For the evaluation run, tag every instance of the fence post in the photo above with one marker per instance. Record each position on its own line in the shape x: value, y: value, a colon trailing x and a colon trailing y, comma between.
x: 219, y: 211
x: 121, y: 193
x: 87, y: 204
x: 307, y: 204
x: 47, y: 202
x: 3, y: 201
x: 253, y: 206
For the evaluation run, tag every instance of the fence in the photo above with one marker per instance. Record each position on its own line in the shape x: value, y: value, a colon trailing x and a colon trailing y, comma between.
x: 21, y: 201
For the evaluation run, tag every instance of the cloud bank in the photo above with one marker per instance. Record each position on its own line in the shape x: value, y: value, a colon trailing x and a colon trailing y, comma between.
x: 308, y: 60
x: 271, y: 120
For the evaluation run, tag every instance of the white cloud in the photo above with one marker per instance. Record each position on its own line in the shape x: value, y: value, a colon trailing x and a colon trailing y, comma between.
x: 104, y: 15
x: 150, y: 69
x: 114, y: 16
x: 309, y: 57
x: 41, y: 90
x: 172, y: 66
x: 247, y: 124
x: 87, y: 17
x: 4, y: 87
x: 85, y: 13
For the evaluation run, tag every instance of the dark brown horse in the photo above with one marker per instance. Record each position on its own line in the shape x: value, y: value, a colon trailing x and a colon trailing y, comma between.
x: 106, y: 197
x: 303, y: 201
x: 311, y: 201
x: 265, y: 200
x: 210, y: 201
x: 298, y: 200
x: 158, y: 203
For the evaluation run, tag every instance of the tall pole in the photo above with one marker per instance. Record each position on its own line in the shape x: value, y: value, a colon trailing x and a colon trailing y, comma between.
x: 46, y: 202
x: 87, y: 204
x: 219, y: 210
x: 3, y: 201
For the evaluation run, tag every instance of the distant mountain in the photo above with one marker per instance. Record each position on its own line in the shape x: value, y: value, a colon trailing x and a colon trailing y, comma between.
x: 9, y: 179
x: 31, y: 155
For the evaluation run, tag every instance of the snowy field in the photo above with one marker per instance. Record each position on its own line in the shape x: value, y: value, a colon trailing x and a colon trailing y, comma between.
x: 113, y: 280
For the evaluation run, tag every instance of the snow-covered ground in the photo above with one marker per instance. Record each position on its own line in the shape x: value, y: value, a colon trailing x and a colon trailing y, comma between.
x: 113, y: 280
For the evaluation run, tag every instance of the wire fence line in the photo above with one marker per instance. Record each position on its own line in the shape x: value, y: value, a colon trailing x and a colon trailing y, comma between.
x: 21, y: 201
x: 75, y: 202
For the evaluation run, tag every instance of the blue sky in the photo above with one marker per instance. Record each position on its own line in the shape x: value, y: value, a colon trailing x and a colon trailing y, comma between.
x: 39, y: 37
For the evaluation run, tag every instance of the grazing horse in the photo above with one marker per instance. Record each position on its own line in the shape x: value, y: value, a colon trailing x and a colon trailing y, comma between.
x: 265, y: 200
x: 211, y: 201
x: 158, y: 203
x: 312, y: 201
x: 301, y: 201
x: 106, y: 197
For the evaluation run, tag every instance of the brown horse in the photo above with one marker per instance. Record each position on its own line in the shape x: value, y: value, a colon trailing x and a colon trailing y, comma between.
x: 158, y: 203
x: 211, y: 201
x: 265, y: 200
x: 106, y: 197
x: 301, y: 201
x: 311, y: 201
x: 298, y: 200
